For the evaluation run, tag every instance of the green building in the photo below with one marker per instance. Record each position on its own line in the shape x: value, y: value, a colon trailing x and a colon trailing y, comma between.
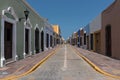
x: 22, y: 31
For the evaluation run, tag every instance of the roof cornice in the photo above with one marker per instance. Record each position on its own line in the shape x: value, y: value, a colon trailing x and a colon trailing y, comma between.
x: 110, y: 7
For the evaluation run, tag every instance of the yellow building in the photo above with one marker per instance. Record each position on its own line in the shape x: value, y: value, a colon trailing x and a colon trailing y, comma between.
x: 56, y: 29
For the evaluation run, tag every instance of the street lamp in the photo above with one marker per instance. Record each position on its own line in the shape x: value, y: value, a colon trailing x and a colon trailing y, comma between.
x: 26, y: 13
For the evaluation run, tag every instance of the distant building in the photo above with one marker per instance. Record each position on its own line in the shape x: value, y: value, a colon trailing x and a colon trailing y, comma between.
x: 95, y: 34
x: 87, y: 37
x: 57, y: 30
x: 81, y: 38
x: 78, y: 38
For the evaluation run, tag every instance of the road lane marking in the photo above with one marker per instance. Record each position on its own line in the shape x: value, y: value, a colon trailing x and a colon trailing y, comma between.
x: 65, y: 60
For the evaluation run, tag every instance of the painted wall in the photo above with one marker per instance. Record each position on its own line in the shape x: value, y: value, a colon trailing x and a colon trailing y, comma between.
x: 48, y: 30
x: 111, y: 16
x: 56, y: 29
x: 87, y: 29
x: 19, y: 6
x: 95, y: 25
x: 0, y: 37
x: 78, y: 32
x: 78, y: 38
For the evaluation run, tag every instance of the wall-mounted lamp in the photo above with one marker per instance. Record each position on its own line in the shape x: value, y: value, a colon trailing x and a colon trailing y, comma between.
x: 26, y: 13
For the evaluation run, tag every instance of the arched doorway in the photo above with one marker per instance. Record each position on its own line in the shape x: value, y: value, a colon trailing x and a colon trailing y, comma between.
x: 47, y: 40
x: 42, y: 41
x: 108, y: 40
x: 8, y: 36
x: 97, y: 42
x: 51, y: 41
x: 27, y: 36
x: 87, y: 41
x: 37, y: 40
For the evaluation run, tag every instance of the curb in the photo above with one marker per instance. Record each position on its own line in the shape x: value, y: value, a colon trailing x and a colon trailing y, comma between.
x: 33, y: 68
x: 93, y: 65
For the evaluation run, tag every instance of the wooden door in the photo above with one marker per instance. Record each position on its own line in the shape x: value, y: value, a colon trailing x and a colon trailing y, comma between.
x: 42, y: 41
x: 87, y: 42
x: 51, y: 41
x: 108, y: 41
x: 47, y: 40
x: 91, y: 40
x: 26, y: 41
x: 8, y: 34
x: 97, y: 42
x: 37, y: 40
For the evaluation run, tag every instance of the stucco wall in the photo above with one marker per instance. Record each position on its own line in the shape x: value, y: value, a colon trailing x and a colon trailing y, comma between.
x: 87, y: 29
x: 111, y: 16
x: 78, y: 32
x: 95, y: 25
x: 0, y: 34
x: 19, y: 7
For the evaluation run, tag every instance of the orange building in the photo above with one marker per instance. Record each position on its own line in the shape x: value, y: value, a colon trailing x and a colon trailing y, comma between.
x: 56, y: 29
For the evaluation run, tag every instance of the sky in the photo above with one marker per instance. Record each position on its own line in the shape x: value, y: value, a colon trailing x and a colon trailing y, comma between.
x: 70, y: 15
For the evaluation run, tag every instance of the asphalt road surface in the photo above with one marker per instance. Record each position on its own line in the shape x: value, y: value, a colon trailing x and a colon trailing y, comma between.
x: 65, y: 64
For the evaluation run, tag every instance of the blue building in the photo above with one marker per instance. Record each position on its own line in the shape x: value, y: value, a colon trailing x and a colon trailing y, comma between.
x: 86, y: 36
x: 78, y: 38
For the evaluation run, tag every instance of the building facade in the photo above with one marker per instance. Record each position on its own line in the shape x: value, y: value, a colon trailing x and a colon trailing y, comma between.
x: 48, y: 37
x: 102, y: 34
x: 95, y: 34
x: 110, y: 39
x: 78, y: 38
x: 81, y: 38
x: 86, y: 37
x: 57, y: 30
x: 22, y: 31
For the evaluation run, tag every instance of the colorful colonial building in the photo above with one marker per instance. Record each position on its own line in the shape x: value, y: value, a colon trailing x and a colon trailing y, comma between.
x: 57, y: 30
x: 110, y: 39
x: 95, y: 34
x: 23, y: 32
x: 86, y: 37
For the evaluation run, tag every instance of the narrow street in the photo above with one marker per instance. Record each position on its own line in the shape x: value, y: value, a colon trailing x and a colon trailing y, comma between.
x: 65, y: 64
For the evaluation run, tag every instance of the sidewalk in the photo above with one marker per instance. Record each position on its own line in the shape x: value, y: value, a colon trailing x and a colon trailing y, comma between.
x: 22, y: 66
x: 107, y: 64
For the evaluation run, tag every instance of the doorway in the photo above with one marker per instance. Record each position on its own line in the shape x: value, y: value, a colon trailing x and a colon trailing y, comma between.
x: 108, y: 41
x: 8, y: 39
x: 37, y: 40
x: 91, y: 40
x: 97, y: 42
x: 88, y: 42
x: 51, y: 41
x: 27, y: 41
x: 80, y: 41
x: 42, y: 41
x: 47, y: 40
